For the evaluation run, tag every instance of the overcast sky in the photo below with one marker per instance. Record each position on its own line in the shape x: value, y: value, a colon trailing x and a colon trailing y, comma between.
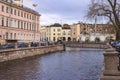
x: 60, y: 11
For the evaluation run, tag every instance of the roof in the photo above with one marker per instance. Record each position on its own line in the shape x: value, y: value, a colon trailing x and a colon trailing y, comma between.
x: 56, y: 25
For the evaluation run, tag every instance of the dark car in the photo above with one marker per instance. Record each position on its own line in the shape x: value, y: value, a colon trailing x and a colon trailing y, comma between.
x: 34, y: 44
x: 8, y: 46
x: 43, y: 43
x: 21, y: 44
x: 1, y: 47
x: 50, y: 42
x: 117, y: 47
x: 113, y: 43
x: 59, y: 42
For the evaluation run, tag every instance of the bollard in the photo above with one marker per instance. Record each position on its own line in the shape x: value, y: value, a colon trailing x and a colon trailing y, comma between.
x: 16, y: 46
x: 64, y: 46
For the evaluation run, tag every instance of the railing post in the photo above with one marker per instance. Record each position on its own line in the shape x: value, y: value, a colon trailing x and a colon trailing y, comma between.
x: 29, y: 45
x: 64, y: 46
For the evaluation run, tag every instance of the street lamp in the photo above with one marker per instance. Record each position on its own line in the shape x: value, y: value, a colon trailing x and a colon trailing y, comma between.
x: 34, y: 5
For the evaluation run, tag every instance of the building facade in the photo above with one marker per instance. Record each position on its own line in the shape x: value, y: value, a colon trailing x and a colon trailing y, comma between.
x: 18, y: 23
x: 91, y: 32
x: 75, y: 31
x: 66, y: 32
x: 43, y: 33
x: 58, y: 32
x: 55, y: 32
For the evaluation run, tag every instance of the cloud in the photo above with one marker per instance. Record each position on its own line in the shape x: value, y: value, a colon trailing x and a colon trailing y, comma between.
x: 64, y: 11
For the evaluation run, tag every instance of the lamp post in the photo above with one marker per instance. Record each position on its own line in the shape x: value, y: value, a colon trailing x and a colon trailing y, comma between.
x: 34, y: 22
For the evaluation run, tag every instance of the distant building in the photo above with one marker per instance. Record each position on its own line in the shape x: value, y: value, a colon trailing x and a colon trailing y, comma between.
x: 55, y: 32
x: 91, y: 32
x: 18, y: 23
x: 75, y: 32
x: 58, y: 32
x: 66, y: 33
x: 43, y: 33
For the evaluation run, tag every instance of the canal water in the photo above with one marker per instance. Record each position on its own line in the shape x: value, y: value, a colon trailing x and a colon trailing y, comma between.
x: 73, y: 64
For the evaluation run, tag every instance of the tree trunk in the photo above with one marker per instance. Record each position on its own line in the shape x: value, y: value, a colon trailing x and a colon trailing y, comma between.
x: 117, y: 35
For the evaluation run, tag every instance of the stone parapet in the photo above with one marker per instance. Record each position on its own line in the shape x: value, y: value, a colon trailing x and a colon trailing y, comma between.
x: 12, y: 54
x: 88, y: 45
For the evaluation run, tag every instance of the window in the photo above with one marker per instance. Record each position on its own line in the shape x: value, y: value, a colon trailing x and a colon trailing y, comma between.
x: 54, y: 39
x: 21, y: 14
x: 7, y: 22
x: 6, y: 9
x: 10, y: 35
x: 30, y: 26
x: 14, y: 23
x: 69, y: 33
x: 37, y: 18
x: 24, y: 15
x: 58, y: 30
x: 30, y: 16
x: 11, y: 11
x: 21, y: 25
x: 18, y: 13
x: 14, y: 12
x: 27, y: 26
x: 11, y: 22
x: 64, y: 33
x: 24, y: 25
x: 2, y: 21
x: 2, y: 8
x: 14, y: 35
x: 54, y: 30
x: 59, y: 34
x: 18, y: 24
x: 27, y: 16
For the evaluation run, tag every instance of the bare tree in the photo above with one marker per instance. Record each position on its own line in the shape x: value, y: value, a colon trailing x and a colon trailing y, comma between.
x: 108, y: 8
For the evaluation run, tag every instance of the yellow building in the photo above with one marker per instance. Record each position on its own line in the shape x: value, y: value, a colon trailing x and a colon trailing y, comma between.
x: 54, y: 32
x: 66, y: 34
x: 58, y: 32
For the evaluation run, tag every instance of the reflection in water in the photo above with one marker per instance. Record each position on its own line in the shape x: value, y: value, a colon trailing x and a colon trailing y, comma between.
x: 74, y: 64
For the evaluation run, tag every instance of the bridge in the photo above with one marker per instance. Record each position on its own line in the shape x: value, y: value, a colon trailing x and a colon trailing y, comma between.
x: 87, y: 45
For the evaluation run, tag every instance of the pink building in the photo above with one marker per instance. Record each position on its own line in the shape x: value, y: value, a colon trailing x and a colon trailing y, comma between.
x: 18, y: 23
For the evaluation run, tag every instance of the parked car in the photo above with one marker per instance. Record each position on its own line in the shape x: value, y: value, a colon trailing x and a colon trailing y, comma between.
x: 113, y: 43
x: 34, y: 44
x: 117, y: 47
x: 43, y: 43
x: 1, y: 47
x: 50, y: 42
x: 8, y: 46
x: 21, y: 44
x: 59, y: 42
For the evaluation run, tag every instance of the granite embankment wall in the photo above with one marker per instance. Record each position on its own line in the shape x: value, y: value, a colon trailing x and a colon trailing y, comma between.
x: 87, y: 45
x: 18, y: 53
